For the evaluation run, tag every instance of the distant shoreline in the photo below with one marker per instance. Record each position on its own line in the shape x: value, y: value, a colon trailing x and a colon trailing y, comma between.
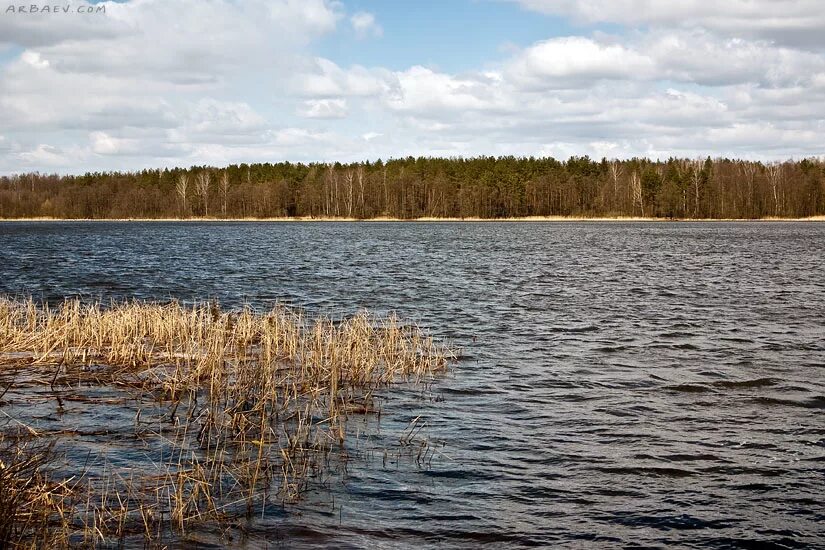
x: 422, y: 219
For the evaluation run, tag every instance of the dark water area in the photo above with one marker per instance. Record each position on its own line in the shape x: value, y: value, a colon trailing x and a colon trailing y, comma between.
x: 622, y: 384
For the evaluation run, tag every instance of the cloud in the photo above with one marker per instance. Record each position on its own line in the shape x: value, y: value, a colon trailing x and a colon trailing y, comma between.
x: 104, y: 144
x: 38, y: 30
x: 790, y: 22
x: 35, y: 96
x: 425, y: 91
x: 214, y: 117
x: 34, y: 59
x: 569, y: 61
x: 703, y: 58
x: 6, y: 146
x: 145, y: 62
x: 157, y: 83
x: 365, y: 25
x: 149, y: 79
x: 137, y: 38
x: 298, y: 137
x: 546, y: 99
x: 325, y: 79
x: 49, y: 157
x: 324, y: 108
x: 694, y: 57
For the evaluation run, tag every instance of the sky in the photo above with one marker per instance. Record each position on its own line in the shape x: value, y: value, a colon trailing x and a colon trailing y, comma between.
x: 161, y: 83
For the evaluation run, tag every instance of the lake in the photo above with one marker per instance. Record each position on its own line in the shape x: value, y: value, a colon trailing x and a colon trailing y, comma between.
x: 652, y: 384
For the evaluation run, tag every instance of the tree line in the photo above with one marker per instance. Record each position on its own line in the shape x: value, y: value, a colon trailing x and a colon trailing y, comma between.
x: 484, y: 187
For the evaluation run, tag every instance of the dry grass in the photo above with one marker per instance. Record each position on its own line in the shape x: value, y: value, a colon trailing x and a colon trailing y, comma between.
x: 252, y: 405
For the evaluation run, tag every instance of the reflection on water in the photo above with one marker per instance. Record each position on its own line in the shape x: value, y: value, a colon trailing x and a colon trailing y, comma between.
x: 656, y: 384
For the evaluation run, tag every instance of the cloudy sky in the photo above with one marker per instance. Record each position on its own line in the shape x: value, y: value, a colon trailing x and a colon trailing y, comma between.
x: 154, y: 83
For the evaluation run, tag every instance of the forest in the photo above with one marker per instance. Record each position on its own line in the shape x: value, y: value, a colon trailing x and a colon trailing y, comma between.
x: 481, y: 187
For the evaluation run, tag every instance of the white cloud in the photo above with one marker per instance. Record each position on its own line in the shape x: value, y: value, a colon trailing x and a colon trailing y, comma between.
x: 795, y: 22
x: 324, y: 108
x: 48, y: 157
x: 425, y: 91
x: 157, y: 83
x: 365, y: 25
x: 703, y: 58
x: 298, y: 137
x: 31, y: 30
x: 213, y: 117
x: 137, y: 38
x: 104, y: 144
x: 38, y: 97
x: 149, y: 79
x: 684, y: 56
x: 324, y: 78
x: 568, y: 61
x: 34, y: 59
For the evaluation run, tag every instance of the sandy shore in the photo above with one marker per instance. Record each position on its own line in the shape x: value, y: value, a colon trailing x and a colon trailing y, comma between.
x: 423, y: 219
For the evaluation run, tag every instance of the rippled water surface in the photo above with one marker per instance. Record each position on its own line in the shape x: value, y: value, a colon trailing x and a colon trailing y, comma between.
x: 622, y: 384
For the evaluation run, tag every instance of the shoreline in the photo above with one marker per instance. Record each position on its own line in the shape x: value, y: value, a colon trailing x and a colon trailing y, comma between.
x: 422, y: 219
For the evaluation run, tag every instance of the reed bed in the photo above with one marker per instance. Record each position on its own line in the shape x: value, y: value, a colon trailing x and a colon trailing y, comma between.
x: 239, y: 408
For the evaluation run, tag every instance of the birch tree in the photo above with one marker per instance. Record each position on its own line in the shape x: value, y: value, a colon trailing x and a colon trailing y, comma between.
x: 695, y: 180
x: 775, y: 174
x: 202, y: 189
x: 749, y: 171
x: 349, y: 177
x: 615, y: 174
x: 181, y: 187
x: 636, y: 186
x: 224, y: 185
x: 359, y: 172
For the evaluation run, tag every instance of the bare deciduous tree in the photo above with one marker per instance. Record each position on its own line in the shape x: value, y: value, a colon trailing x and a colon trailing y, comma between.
x: 349, y: 177
x: 484, y: 187
x: 636, y: 186
x: 386, y: 191
x: 202, y: 189
x: 695, y: 180
x: 331, y: 191
x: 615, y: 174
x: 224, y: 190
x: 359, y: 172
x: 749, y: 171
x: 775, y: 175
x: 181, y: 187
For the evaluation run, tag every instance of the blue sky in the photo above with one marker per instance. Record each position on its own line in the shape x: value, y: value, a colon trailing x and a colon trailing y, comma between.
x: 153, y: 83
x: 464, y: 35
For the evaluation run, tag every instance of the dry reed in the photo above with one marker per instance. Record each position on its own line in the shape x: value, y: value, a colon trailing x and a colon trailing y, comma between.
x: 252, y: 406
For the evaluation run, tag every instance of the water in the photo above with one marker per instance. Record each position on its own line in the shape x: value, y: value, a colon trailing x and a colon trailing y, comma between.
x: 622, y: 384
